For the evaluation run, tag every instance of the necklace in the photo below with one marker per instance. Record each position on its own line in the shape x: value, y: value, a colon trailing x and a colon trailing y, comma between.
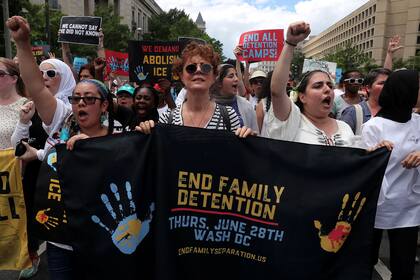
x: 202, y: 119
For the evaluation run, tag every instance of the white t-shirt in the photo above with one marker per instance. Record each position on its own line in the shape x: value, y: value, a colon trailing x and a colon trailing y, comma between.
x: 9, y: 118
x: 399, y: 199
x: 298, y: 128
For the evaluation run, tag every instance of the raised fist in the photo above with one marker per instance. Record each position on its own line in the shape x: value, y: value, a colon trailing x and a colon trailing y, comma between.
x: 19, y: 29
x: 297, y: 32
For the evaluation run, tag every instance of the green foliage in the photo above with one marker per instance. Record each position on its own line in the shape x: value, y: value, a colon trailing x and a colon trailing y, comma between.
x: 297, y: 63
x: 175, y: 23
x: 412, y: 63
x: 349, y: 57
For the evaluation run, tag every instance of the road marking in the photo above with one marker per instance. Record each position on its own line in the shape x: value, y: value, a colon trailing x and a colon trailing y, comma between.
x: 383, y: 270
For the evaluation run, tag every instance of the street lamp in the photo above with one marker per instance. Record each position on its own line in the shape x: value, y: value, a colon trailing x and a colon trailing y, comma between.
x: 139, y: 33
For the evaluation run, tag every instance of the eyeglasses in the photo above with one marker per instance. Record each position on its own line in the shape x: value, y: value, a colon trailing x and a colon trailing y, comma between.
x: 88, y: 100
x: 205, y: 68
x: 51, y: 73
x: 358, y: 81
x: 2, y: 74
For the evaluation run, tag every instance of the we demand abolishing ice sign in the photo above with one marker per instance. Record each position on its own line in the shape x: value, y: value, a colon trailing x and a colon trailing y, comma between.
x: 261, y: 45
x: 79, y: 30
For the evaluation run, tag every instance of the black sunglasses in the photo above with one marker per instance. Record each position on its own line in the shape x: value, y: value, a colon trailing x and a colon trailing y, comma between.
x: 358, y: 81
x: 2, y: 74
x: 50, y: 73
x: 88, y: 100
x: 205, y: 68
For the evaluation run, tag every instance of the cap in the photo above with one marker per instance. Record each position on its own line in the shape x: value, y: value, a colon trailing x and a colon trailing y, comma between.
x: 125, y: 88
x: 258, y: 74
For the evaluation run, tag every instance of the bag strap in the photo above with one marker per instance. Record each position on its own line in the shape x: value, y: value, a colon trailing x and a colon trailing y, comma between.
x: 225, y: 116
x: 359, y: 119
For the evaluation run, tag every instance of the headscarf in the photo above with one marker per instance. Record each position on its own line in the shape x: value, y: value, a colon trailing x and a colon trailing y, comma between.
x: 101, y: 87
x: 399, y: 96
x: 67, y: 83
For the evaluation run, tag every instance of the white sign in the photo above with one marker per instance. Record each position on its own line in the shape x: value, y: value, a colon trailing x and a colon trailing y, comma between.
x: 312, y: 64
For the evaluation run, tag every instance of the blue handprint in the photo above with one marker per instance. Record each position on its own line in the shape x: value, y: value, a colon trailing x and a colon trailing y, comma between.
x: 129, y: 231
x: 52, y: 160
x: 139, y: 73
x: 125, y: 65
x: 113, y: 64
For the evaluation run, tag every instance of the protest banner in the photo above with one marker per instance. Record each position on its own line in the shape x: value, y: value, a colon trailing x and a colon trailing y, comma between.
x: 212, y: 213
x: 261, y: 45
x: 79, y: 62
x: 117, y: 62
x: 13, y: 234
x: 79, y: 30
x: 150, y: 60
x: 41, y: 50
x: 312, y: 64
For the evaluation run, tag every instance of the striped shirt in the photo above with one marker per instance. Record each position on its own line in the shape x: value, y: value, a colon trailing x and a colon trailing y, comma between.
x: 216, y: 121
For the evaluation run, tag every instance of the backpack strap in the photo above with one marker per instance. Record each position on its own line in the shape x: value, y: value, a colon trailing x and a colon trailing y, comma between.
x: 225, y: 116
x: 359, y: 119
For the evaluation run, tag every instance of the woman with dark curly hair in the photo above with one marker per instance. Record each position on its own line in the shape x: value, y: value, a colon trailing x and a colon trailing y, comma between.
x: 197, y: 68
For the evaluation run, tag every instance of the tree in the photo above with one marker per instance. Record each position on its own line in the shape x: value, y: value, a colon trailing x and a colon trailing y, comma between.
x: 297, y: 63
x: 349, y: 57
x: 168, y: 26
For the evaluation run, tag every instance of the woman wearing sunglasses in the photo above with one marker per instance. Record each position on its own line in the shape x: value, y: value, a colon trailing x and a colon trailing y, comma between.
x: 307, y: 120
x: 197, y: 68
x: 63, y: 123
x: 12, y: 92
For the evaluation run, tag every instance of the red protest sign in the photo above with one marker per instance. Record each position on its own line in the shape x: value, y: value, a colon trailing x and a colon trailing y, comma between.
x: 261, y: 45
x: 117, y: 62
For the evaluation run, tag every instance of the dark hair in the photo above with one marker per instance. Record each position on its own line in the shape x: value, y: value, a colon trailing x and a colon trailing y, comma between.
x: 90, y: 67
x: 223, y: 70
x: 13, y: 69
x: 266, y: 90
x: 154, y: 114
x: 233, y: 62
x: 301, y: 87
x: 346, y: 74
x: 193, y: 49
x: 373, y: 75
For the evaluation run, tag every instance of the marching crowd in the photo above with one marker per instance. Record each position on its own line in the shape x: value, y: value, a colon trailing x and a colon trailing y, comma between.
x: 42, y: 105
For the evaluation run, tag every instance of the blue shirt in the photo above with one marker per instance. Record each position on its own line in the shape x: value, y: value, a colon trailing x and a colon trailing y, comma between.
x: 349, y: 115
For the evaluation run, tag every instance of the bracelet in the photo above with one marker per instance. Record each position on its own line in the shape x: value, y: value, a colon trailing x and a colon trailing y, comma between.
x: 290, y: 44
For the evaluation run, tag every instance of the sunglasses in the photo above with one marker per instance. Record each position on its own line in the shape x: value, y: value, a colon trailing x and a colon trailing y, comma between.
x: 205, y: 68
x: 358, y: 81
x: 2, y: 74
x: 88, y: 100
x: 51, y: 73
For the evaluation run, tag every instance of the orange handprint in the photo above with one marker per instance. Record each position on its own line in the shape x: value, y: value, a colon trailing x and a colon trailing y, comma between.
x: 334, y: 240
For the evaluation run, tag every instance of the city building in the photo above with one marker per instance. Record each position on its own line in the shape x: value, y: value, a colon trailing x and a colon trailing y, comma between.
x: 201, y: 24
x: 134, y: 13
x: 369, y: 28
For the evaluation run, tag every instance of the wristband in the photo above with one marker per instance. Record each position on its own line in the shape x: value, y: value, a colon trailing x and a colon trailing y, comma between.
x: 290, y: 44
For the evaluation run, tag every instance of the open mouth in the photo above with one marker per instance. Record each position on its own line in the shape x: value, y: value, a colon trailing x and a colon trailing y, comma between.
x: 327, y: 101
x: 82, y: 115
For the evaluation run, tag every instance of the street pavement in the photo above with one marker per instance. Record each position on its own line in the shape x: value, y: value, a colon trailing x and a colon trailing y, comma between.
x: 381, y: 272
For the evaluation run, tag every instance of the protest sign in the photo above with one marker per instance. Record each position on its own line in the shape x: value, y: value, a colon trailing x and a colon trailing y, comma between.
x: 40, y: 50
x: 13, y: 235
x: 150, y: 60
x: 261, y: 45
x: 79, y: 30
x: 312, y: 64
x: 117, y: 62
x: 79, y: 62
x: 213, y: 213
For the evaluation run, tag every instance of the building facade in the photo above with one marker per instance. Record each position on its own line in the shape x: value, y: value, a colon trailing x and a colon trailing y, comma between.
x: 369, y: 28
x: 135, y: 13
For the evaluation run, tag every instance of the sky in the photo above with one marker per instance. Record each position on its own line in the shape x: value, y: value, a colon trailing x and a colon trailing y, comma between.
x: 226, y: 20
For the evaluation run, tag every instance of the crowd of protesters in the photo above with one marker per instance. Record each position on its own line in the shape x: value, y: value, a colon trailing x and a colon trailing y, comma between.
x: 59, y: 105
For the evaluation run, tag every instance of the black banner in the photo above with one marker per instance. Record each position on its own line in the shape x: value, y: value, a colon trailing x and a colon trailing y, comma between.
x: 187, y: 203
x: 79, y: 30
x: 150, y: 61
